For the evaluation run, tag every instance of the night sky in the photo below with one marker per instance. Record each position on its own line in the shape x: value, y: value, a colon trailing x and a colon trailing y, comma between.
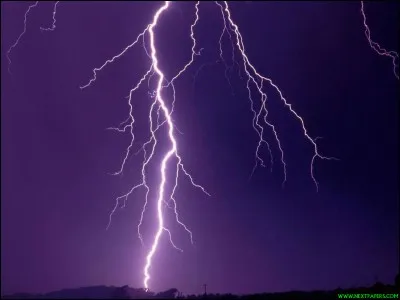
x: 251, y: 235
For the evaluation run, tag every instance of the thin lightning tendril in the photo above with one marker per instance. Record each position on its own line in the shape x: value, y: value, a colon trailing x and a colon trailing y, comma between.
x: 53, y: 25
x: 225, y: 29
x: 132, y: 121
x: 376, y: 47
x: 20, y: 36
x: 164, y: 114
x: 249, y: 68
x: 194, y: 52
x: 109, y: 61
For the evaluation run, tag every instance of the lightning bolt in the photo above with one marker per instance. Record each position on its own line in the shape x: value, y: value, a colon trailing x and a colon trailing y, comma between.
x: 157, y: 105
x: 160, y: 114
x: 394, y: 56
x: 259, y: 119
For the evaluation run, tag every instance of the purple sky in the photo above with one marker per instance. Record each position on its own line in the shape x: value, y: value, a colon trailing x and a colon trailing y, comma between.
x: 251, y: 235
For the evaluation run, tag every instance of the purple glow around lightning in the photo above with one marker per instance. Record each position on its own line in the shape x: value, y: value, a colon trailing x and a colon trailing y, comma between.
x: 377, y: 48
x: 154, y: 125
x: 260, y: 121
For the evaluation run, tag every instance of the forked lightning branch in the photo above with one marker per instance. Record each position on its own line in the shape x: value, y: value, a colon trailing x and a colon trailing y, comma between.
x: 172, y: 167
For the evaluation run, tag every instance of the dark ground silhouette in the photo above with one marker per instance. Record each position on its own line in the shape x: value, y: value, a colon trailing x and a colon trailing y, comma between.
x: 125, y: 292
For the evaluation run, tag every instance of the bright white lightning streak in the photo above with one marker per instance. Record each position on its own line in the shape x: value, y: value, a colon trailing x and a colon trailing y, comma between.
x: 129, y: 122
x: 252, y: 77
x: 172, y: 151
x: 261, y: 116
x: 20, y: 36
x: 376, y: 47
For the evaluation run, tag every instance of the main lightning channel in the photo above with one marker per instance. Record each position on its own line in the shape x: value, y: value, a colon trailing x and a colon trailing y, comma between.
x: 170, y: 152
x: 159, y: 106
x: 163, y: 116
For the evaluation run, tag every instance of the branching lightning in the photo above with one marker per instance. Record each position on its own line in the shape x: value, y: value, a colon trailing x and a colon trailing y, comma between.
x: 158, y: 105
x: 160, y: 114
x: 259, y: 80
x: 259, y: 119
x: 377, y: 48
